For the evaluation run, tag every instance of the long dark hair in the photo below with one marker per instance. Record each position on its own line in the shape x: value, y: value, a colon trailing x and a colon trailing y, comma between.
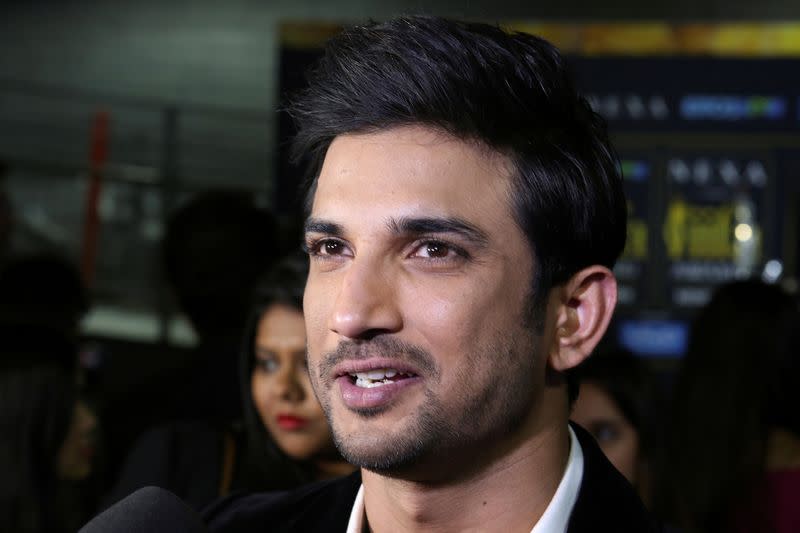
x: 37, y: 400
x: 630, y: 385
x: 735, y: 385
x: 264, y: 466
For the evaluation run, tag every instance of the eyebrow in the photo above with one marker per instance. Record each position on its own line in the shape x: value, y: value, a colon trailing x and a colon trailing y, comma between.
x: 410, y: 226
x: 433, y: 225
x: 315, y: 225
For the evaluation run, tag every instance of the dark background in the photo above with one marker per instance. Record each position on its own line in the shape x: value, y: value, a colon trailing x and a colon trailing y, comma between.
x: 190, y: 91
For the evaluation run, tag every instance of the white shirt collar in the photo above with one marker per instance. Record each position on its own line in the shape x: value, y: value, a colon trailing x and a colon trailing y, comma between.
x: 356, y: 523
x: 556, y: 516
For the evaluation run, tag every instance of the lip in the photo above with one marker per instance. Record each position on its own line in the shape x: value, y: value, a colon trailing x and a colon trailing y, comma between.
x: 345, y: 368
x: 291, y: 422
x: 374, y: 398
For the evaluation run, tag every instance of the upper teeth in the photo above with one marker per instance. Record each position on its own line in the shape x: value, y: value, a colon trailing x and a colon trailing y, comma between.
x: 375, y: 378
x: 379, y: 373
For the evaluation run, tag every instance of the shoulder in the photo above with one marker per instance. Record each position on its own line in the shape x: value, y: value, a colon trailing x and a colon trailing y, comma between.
x: 606, y: 501
x: 167, y: 434
x: 178, y: 443
x: 322, y: 506
x: 183, y: 457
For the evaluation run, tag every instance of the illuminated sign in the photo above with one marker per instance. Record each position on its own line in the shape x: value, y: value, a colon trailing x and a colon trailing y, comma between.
x: 722, y: 107
x: 635, y: 170
x: 666, y: 338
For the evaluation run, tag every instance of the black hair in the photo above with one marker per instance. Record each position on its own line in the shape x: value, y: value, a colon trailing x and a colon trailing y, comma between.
x: 735, y: 385
x: 510, y: 92
x: 265, y: 466
x: 214, y: 248
x: 37, y: 399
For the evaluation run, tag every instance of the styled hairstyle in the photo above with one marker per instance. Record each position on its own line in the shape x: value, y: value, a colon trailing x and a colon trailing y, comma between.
x: 740, y: 379
x: 509, y: 92
x: 214, y: 249
x: 37, y: 398
x: 265, y: 466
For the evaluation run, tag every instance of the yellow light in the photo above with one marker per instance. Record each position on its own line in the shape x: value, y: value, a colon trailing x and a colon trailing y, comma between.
x: 743, y: 232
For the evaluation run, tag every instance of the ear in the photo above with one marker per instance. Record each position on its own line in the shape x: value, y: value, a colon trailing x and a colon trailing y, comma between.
x: 584, y: 306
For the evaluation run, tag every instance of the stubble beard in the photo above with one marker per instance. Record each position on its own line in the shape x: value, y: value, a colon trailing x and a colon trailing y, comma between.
x: 439, y: 439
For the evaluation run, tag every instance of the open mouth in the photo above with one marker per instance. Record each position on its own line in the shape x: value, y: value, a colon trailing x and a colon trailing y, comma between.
x: 378, y: 377
x: 375, y: 385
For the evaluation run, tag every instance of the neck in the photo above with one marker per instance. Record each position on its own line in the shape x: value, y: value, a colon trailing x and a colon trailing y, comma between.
x: 509, y: 493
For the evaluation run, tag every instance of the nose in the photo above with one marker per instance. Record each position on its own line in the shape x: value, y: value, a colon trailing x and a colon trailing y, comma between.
x: 366, y: 304
x: 287, y: 384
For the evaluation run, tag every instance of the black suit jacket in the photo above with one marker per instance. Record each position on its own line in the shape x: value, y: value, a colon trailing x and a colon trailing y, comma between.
x: 606, y: 502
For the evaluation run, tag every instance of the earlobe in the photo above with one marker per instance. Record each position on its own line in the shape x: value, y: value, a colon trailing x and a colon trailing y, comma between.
x: 585, y: 305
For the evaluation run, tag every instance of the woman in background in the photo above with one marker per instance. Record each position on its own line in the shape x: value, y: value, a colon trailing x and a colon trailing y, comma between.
x: 288, y: 441
x: 733, y: 457
x: 616, y: 404
x: 284, y: 440
x: 46, y: 433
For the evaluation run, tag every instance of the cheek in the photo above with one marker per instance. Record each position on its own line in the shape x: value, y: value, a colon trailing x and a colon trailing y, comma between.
x: 260, y: 386
x: 70, y: 462
x: 630, y: 445
x: 316, y: 303
x: 624, y: 453
x: 457, y: 316
x: 312, y: 405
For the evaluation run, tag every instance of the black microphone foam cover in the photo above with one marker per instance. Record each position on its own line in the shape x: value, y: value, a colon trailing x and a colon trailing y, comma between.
x: 148, y: 510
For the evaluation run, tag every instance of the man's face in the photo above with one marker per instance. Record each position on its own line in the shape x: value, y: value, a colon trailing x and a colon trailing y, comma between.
x: 417, y: 340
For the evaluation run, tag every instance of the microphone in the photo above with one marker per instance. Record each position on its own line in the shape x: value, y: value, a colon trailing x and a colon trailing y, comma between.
x: 148, y: 510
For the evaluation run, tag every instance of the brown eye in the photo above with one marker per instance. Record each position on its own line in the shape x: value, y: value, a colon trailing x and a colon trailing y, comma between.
x: 439, y: 253
x: 436, y: 249
x: 327, y: 248
x: 332, y: 248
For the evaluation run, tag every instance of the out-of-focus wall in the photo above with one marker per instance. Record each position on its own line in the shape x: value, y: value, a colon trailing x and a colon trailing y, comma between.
x: 216, y: 57
x: 190, y: 88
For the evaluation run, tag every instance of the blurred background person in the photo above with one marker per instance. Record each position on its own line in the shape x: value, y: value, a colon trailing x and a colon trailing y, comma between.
x: 732, y: 460
x: 47, y: 434
x: 288, y: 438
x: 48, y: 403
x: 284, y: 440
x: 43, y: 288
x: 617, y: 405
x: 215, y: 245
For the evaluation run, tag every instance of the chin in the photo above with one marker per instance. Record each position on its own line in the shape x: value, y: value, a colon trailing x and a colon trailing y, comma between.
x: 380, y: 452
x: 299, y: 451
x: 77, y: 474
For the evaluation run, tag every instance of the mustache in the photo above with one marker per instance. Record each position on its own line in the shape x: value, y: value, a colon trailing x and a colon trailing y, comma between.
x: 388, y: 347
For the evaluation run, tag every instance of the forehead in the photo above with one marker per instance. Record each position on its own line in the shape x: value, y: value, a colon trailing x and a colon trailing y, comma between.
x: 412, y: 170
x: 281, y: 321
